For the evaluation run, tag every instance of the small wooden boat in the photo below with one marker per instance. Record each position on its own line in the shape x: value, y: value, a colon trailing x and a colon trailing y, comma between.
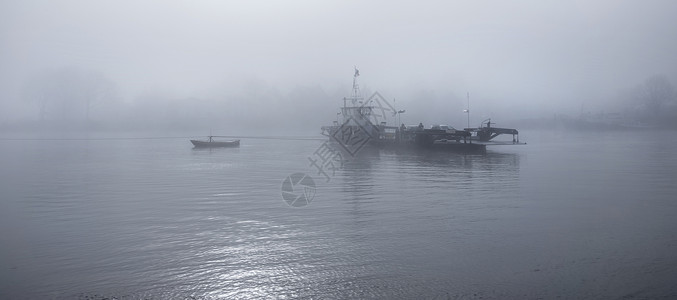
x: 211, y: 143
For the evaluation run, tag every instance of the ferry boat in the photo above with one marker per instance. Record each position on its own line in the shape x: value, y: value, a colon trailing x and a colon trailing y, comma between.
x: 364, y: 123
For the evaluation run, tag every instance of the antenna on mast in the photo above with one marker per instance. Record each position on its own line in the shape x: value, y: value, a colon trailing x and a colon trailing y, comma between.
x: 468, y: 109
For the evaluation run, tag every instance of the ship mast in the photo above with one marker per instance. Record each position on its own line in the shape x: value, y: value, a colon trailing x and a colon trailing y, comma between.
x: 355, y: 99
x: 355, y: 96
x: 356, y: 88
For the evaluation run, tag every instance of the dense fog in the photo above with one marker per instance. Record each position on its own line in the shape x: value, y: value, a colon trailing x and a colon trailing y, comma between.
x: 284, y: 66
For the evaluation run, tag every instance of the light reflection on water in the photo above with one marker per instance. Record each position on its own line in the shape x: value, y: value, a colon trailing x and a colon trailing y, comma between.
x: 566, y: 216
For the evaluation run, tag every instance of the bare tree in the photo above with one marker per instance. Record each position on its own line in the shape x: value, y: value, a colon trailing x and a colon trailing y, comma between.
x: 95, y: 87
x: 60, y: 92
x: 37, y: 90
x: 657, y: 93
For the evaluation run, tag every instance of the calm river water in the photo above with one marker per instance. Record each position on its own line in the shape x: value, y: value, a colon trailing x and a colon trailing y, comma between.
x: 569, y: 215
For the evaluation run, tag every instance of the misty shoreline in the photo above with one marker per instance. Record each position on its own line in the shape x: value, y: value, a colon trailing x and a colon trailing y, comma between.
x: 553, y: 123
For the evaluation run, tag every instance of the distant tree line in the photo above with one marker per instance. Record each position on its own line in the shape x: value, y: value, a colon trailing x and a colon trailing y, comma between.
x: 75, y: 98
x: 68, y: 94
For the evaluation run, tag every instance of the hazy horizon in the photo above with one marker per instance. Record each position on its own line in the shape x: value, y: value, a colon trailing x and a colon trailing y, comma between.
x: 291, y: 63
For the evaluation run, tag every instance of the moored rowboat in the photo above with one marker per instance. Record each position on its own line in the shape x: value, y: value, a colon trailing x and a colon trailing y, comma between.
x: 211, y: 143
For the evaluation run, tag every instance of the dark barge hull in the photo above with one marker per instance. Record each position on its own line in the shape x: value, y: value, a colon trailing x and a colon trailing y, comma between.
x: 418, y: 140
x: 448, y: 141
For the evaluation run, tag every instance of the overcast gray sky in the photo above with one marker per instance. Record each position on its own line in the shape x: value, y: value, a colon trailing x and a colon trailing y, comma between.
x: 538, y: 55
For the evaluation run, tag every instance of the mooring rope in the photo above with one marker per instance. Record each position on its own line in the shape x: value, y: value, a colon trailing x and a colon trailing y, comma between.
x: 296, y: 138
